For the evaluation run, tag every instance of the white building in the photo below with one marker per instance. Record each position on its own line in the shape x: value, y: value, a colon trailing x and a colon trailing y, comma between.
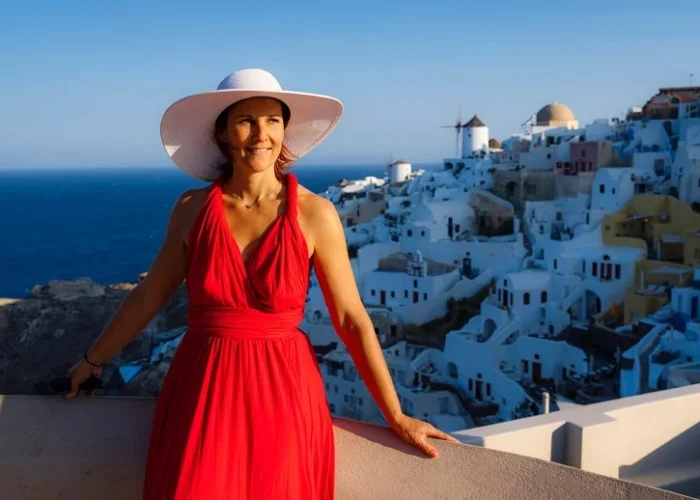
x: 401, y: 280
x: 613, y: 188
x: 475, y: 137
x: 688, y: 159
x: 399, y: 171
x: 348, y: 396
x: 436, y: 221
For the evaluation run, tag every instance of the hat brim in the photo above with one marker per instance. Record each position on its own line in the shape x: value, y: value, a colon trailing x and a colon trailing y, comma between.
x: 187, y: 127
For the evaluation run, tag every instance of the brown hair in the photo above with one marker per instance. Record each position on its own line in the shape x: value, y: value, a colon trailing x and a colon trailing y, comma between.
x: 284, y: 160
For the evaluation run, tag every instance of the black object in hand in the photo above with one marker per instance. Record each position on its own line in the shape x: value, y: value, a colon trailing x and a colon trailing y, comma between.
x: 62, y: 384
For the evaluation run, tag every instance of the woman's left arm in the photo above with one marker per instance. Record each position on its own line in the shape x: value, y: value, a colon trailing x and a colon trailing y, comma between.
x: 354, y: 326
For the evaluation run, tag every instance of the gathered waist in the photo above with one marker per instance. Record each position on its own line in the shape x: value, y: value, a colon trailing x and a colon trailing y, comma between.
x: 243, y: 323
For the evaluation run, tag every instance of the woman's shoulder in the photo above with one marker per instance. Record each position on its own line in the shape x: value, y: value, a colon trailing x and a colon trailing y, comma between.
x: 312, y: 205
x: 187, y: 207
x: 318, y: 217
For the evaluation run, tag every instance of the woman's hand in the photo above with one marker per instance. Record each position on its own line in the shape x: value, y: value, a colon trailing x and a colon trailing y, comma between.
x: 79, y: 374
x: 416, y: 432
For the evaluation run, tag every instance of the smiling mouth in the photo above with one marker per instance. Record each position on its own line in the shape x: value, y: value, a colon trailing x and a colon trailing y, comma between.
x: 258, y: 151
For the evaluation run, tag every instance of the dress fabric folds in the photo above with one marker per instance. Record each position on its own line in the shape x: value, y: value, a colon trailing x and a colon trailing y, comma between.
x: 242, y: 413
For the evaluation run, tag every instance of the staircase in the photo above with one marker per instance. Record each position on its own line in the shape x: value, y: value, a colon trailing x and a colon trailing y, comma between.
x: 575, y: 294
x: 501, y: 335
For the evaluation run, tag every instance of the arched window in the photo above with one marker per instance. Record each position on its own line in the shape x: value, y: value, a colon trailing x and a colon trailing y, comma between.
x: 526, y: 298
x: 543, y: 296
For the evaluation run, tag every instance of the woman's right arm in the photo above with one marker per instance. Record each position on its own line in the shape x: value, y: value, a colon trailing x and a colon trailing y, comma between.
x: 142, y: 304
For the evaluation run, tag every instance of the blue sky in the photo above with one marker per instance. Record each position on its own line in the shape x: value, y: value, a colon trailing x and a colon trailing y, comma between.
x: 86, y: 83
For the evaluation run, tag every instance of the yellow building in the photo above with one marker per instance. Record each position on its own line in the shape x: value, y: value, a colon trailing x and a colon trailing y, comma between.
x: 669, y: 231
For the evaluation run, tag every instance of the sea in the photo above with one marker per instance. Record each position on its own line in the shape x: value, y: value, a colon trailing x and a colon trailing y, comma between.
x: 105, y: 224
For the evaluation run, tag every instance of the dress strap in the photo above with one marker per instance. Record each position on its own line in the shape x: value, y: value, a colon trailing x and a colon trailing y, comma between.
x: 292, y: 185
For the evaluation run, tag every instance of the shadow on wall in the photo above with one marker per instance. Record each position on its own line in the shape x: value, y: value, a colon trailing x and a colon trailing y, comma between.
x: 682, y: 477
x: 52, y: 448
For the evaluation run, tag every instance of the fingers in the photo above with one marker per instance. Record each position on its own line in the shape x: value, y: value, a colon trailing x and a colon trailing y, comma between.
x: 436, y: 433
x: 427, y: 448
x: 74, y: 389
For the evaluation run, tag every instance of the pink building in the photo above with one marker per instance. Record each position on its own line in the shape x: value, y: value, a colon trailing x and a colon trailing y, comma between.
x: 586, y: 156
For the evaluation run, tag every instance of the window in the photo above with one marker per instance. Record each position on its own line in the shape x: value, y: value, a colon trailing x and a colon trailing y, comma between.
x: 558, y: 215
x: 613, y: 190
x: 594, y: 270
x: 405, y: 294
x: 415, y: 283
x: 525, y: 365
x: 372, y: 292
x: 409, y: 233
x: 488, y: 390
x: 555, y: 264
x: 583, y: 153
x: 584, y: 266
x: 617, y: 271
x: 425, y: 296
x: 526, y: 298
x: 601, y: 188
x: 543, y: 296
x: 537, y: 356
x: 471, y: 384
x: 422, y: 233
x: 549, y: 156
x: 393, y: 294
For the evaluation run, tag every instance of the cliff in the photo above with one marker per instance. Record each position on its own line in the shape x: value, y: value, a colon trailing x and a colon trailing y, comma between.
x: 43, y: 335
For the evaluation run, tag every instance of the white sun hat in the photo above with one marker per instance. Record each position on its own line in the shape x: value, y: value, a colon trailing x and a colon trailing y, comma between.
x: 187, y: 127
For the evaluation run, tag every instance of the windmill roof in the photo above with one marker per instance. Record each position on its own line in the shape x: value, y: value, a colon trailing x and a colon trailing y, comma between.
x: 475, y: 122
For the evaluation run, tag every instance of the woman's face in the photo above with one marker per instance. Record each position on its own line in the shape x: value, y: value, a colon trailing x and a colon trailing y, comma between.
x: 254, y: 133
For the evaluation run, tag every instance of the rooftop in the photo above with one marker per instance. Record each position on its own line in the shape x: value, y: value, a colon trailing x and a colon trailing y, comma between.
x: 555, y: 112
x: 398, y: 263
x: 529, y: 279
x: 43, y: 457
x: 599, y: 252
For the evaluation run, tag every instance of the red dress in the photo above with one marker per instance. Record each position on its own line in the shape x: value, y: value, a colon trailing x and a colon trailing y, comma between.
x: 242, y: 413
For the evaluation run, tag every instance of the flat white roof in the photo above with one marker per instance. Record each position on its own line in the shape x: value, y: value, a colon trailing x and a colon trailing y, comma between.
x: 597, y: 252
x: 528, y: 280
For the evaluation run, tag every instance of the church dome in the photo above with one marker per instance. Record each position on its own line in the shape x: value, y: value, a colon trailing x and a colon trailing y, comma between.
x: 555, y: 112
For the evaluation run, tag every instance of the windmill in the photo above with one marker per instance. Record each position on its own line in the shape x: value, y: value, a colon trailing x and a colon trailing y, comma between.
x: 457, y: 127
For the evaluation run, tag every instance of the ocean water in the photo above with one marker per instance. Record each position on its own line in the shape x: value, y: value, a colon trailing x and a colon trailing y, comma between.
x: 106, y: 224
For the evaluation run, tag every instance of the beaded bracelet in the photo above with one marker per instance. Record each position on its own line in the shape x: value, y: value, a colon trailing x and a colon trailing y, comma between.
x: 93, y: 363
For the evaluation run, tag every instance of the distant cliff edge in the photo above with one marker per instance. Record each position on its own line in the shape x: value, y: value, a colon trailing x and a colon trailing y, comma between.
x: 44, y: 334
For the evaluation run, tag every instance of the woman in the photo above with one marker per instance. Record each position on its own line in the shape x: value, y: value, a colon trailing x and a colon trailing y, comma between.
x: 242, y: 412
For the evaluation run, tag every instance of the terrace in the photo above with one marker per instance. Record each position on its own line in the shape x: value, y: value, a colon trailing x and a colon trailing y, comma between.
x: 96, y: 448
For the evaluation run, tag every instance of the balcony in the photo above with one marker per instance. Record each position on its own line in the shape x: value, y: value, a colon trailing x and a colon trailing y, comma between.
x: 96, y: 447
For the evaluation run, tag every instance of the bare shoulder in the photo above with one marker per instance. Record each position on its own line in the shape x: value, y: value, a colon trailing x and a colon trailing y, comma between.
x: 317, y: 216
x: 186, y: 208
x: 315, y: 209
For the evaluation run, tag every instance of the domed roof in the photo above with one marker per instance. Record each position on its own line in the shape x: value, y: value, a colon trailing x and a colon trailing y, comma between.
x: 554, y: 112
